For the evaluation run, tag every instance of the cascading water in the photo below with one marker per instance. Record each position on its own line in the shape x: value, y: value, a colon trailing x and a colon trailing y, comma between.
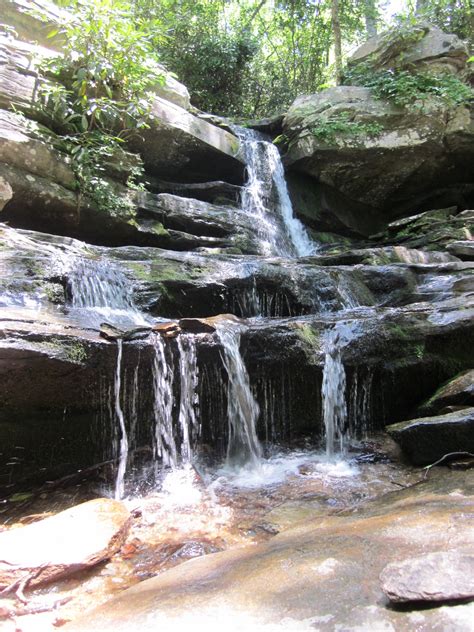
x: 243, y: 447
x: 266, y: 197
x: 334, y: 395
x: 163, y: 376
x: 189, y: 401
x: 123, y: 446
x: 99, y: 291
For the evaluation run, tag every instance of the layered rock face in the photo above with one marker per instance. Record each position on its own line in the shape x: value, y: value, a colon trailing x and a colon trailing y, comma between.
x: 416, y: 158
x: 396, y: 310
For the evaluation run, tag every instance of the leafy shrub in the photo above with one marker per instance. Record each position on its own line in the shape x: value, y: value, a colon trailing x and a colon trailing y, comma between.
x: 101, y: 93
x: 327, y: 131
x: 405, y: 88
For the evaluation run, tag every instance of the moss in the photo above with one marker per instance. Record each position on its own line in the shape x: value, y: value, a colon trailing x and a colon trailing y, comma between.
x: 397, y: 331
x: 76, y: 352
x: 54, y: 292
x: 308, y: 335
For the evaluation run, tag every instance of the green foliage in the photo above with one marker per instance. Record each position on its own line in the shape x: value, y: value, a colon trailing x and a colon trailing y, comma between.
x: 329, y: 130
x: 405, y: 88
x: 101, y: 94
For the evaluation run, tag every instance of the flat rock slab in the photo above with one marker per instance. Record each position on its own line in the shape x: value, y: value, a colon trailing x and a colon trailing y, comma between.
x: 443, y: 576
x: 70, y: 541
x: 322, y: 575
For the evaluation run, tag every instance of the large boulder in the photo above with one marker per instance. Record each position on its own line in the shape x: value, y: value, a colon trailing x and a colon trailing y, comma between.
x: 377, y: 159
x: 428, y: 439
x: 422, y: 46
x: 415, y: 159
x: 459, y: 391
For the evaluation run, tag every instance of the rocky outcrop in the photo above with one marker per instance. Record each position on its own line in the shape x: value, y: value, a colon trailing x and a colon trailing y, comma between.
x: 428, y: 439
x: 421, y: 46
x: 39, y: 188
x: 436, y: 577
x: 71, y: 541
x: 387, y: 159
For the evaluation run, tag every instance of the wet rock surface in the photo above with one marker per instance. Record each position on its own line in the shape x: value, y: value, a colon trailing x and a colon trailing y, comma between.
x: 318, y: 571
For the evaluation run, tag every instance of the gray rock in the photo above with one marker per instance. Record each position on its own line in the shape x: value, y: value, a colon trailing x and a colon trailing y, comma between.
x: 427, y: 439
x: 179, y: 145
x: 417, y: 159
x: 425, y: 48
x: 436, y: 577
x: 462, y: 249
x: 459, y: 391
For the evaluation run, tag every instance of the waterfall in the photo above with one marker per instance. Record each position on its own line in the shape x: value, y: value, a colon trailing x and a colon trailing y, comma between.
x: 123, y: 449
x: 189, y: 397
x: 334, y: 395
x: 163, y: 376
x: 242, y: 410
x: 99, y: 291
x: 265, y: 196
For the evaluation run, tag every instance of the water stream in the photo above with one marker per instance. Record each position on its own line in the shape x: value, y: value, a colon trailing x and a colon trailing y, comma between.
x: 242, y: 410
x: 123, y: 444
x: 265, y: 196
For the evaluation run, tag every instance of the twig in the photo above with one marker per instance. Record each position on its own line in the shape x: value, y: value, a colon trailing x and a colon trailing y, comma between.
x: 20, y: 585
x: 427, y: 468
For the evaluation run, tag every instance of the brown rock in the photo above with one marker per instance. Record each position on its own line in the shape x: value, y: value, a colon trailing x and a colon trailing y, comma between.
x: 71, y: 541
x: 167, y: 330
x: 442, y: 576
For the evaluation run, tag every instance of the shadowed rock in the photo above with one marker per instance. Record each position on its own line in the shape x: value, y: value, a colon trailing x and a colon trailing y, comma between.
x: 428, y: 439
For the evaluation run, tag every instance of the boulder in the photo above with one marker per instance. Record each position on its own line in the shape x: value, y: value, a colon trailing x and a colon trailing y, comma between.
x: 71, y: 541
x: 436, y: 229
x: 415, y: 161
x: 428, y: 439
x: 33, y: 20
x: 419, y: 46
x: 459, y: 391
x: 179, y: 145
x: 216, y: 192
x: 436, y: 577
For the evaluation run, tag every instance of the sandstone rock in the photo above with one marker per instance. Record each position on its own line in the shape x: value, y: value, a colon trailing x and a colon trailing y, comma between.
x: 24, y: 16
x: 436, y: 577
x: 71, y: 541
x: 167, y: 330
x: 214, y: 192
x: 457, y: 392
x: 179, y: 145
x: 427, y: 439
x: 416, y: 160
x: 423, y: 47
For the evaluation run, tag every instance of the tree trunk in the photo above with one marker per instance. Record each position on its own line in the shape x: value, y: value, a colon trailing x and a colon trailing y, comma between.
x: 370, y: 14
x: 336, y: 32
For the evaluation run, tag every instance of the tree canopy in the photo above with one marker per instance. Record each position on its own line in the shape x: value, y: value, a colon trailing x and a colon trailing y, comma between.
x: 251, y: 58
